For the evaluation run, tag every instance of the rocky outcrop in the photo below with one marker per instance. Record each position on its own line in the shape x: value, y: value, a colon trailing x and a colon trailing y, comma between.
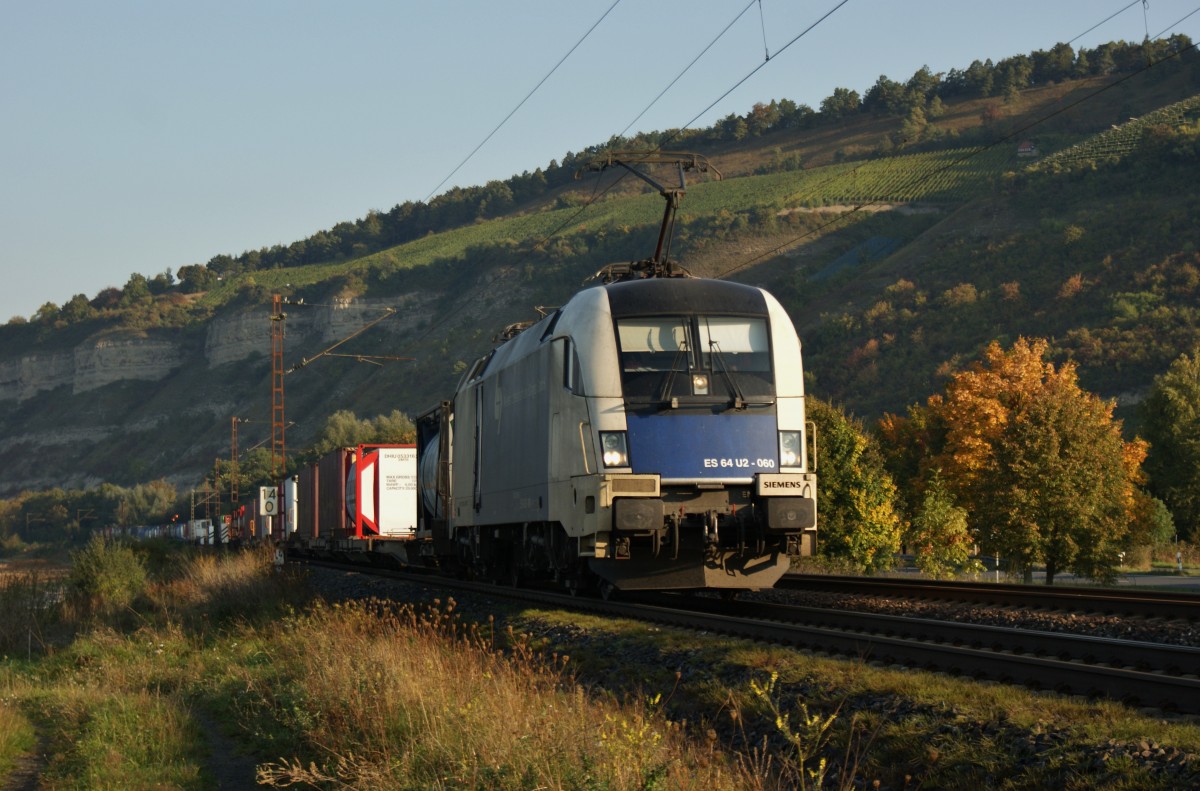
x: 231, y: 337
x: 236, y: 336
x: 115, y: 359
x: 30, y: 374
x: 309, y: 329
x: 97, y: 362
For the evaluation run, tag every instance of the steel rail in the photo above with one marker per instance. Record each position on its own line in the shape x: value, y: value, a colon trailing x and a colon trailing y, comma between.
x: 1143, y: 604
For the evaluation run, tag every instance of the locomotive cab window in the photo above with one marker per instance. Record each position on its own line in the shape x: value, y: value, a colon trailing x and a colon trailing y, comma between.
x: 699, y: 359
x: 654, y: 344
x: 739, y: 344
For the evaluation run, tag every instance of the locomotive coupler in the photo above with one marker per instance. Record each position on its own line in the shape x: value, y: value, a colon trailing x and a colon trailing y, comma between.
x: 712, y: 535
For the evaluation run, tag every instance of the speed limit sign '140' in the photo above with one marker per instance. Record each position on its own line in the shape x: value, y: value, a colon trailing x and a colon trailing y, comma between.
x: 268, y: 501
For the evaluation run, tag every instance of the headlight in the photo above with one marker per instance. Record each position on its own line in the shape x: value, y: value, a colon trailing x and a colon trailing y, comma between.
x: 699, y: 384
x: 615, y: 448
x: 789, y: 449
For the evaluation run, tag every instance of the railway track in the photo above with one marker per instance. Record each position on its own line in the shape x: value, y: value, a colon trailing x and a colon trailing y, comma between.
x: 1140, y: 603
x: 1138, y: 673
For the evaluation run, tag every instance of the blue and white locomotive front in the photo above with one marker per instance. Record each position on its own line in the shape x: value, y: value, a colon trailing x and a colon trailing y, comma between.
x: 699, y: 409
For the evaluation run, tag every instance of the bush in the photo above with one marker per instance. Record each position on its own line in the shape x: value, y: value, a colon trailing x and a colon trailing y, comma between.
x: 11, y: 545
x: 106, y: 576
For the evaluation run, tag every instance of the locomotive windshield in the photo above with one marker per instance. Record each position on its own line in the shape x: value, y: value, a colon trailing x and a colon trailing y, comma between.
x: 654, y: 344
x: 704, y: 359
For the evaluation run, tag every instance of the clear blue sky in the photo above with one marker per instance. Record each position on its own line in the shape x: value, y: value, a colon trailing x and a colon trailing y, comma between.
x: 142, y: 136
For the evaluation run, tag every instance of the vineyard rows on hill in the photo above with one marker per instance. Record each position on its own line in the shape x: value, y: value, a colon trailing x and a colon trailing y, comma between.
x: 1120, y: 140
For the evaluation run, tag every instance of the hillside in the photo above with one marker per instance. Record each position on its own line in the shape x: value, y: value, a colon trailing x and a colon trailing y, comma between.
x: 898, y: 257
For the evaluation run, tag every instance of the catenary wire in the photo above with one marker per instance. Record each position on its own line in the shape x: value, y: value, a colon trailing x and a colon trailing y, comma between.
x: 571, y: 219
x: 861, y: 206
x: 1179, y: 21
x: 522, y: 102
x: 596, y: 195
x: 762, y: 18
x: 1101, y: 22
x: 687, y: 68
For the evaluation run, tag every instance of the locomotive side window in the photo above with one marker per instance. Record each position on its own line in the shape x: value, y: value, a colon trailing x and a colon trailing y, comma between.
x: 572, y: 374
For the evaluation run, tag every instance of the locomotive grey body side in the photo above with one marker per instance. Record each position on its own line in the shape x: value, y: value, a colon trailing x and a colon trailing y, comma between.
x: 650, y: 433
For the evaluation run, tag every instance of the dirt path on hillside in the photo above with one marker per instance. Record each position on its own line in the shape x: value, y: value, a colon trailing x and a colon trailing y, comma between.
x: 28, y: 770
x: 230, y: 768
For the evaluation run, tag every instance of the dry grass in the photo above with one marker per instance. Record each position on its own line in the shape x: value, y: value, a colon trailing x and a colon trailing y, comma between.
x: 216, y: 587
x: 386, y: 696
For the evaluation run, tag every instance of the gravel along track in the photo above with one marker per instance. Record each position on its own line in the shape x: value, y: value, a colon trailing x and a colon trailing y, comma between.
x: 1149, y: 630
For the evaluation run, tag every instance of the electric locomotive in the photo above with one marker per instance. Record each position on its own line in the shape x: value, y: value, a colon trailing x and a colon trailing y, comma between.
x: 649, y: 434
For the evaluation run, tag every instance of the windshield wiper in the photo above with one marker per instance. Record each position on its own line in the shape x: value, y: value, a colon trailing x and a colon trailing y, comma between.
x: 668, y: 385
x: 739, y: 398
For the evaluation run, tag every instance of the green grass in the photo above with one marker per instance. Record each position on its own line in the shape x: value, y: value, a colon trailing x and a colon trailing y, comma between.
x: 17, y: 734
x: 101, y: 738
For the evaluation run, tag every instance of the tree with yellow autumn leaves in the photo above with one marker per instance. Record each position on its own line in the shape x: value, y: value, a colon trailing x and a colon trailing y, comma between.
x: 1038, y: 464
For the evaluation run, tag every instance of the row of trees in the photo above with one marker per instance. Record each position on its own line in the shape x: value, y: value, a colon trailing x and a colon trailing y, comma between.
x: 1014, y: 460
x: 70, y: 515
x: 343, y: 429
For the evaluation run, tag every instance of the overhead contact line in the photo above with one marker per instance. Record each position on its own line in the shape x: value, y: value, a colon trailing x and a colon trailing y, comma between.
x: 522, y: 102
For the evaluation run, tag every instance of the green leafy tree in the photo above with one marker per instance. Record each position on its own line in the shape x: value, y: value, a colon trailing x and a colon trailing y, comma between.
x: 196, y: 277
x: 77, y: 309
x: 763, y: 117
x: 46, y: 314
x: 1153, y: 524
x: 254, y: 470
x: 106, y: 576
x: 1171, y: 418
x: 921, y: 86
x: 841, y: 103
x: 855, y: 495
x: 938, y: 535
x: 395, y: 429
x: 885, y: 96
x: 136, y: 291
x: 1039, y: 464
x: 146, y: 503
x: 162, y: 282
x: 344, y: 429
